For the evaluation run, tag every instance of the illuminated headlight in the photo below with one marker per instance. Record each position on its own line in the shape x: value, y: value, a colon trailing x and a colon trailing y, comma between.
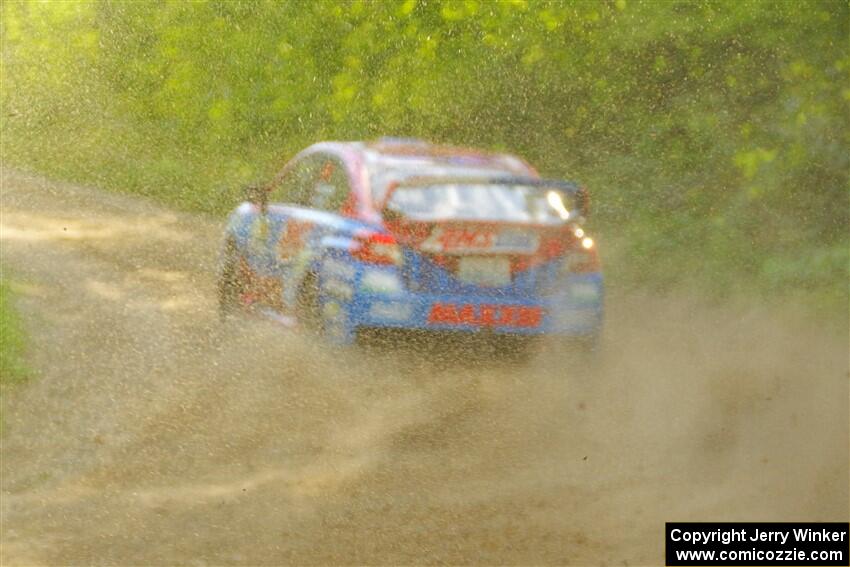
x: 587, y: 243
x: 579, y: 232
x: 557, y: 202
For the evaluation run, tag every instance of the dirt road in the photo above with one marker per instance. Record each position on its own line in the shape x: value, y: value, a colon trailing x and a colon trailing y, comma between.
x: 153, y: 435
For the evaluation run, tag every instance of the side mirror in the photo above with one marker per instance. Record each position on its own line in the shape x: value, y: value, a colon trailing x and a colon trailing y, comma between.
x: 256, y: 195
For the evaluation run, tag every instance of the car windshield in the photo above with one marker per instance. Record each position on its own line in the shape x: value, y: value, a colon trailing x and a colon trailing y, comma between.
x: 483, y: 202
x: 386, y: 170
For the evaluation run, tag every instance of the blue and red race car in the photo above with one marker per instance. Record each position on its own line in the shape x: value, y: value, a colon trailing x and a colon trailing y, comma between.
x: 401, y: 235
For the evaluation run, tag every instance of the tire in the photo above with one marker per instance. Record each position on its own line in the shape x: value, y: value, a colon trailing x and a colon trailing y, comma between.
x: 230, y: 284
x: 308, y: 310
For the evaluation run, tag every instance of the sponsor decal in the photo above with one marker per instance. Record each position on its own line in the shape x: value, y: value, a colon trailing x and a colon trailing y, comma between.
x: 292, y: 239
x: 456, y: 239
x: 467, y: 239
x: 260, y: 289
x: 485, y: 315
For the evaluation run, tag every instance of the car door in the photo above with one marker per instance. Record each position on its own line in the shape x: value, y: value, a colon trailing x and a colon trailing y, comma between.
x: 316, y: 189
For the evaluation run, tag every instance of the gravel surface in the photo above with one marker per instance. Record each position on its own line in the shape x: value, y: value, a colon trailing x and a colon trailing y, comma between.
x: 155, y: 435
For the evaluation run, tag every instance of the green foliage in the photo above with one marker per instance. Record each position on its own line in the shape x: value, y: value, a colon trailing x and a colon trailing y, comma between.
x: 713, y: 134
x: 12, y: 341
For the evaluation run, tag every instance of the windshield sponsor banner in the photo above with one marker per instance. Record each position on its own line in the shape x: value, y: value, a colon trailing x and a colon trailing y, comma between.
x: 469, y: 239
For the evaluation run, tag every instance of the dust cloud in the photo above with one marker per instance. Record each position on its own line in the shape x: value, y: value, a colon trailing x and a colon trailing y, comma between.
x: 153, y: 434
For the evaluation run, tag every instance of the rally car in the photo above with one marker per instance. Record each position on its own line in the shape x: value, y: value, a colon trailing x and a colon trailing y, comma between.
x: 402, y: 235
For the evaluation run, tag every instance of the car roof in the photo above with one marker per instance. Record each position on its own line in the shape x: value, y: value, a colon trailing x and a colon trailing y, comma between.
x: 365, y: 158
x: 391, y: 149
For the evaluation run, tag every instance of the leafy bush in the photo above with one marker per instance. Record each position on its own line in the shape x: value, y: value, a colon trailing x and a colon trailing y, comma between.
x: 12, y: 342
x: 713, y: 134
